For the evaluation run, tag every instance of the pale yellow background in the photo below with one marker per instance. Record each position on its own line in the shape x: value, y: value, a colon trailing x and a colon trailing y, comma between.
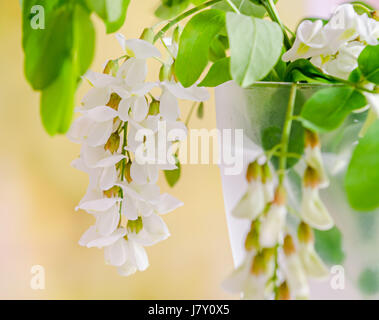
x: 39, y: 190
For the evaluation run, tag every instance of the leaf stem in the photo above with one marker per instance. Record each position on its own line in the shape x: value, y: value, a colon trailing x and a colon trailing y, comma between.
x: 274, y: 15
x: 233, y: 6
x: 190, y: 114
x: 286, y: 133
x: 184, y: 15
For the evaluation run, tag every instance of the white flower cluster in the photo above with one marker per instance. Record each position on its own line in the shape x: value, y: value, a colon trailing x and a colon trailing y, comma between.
x: 335, y: 46
x: 274, y: 266
x: 122, y: 194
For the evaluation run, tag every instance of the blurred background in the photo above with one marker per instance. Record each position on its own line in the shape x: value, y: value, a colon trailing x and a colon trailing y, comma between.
x: 39, y: 190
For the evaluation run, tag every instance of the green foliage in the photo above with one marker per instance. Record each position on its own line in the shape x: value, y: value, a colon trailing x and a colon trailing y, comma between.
x: 173, y: 176
x: 44, y: 55
x: 368, y: 281
x: 368, y: 62
x: 328, y: 108
x: 328, y: 245
x: 246, y: 7
x: 57, y: 100
x: 195, y: 40
x: 59, y: 54
x: 218, y: 74
x: 255, y: 47
x: 303, y: 70
x: 171, y: 8
x: 112, y: 12
x: 362, y: 177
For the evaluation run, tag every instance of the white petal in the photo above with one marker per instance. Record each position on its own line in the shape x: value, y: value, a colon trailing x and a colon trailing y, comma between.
x: 192, y: 93
x: 313, y: 265
x: 99, y: 133
x: 108, y: 178
x: 141, y: 48
x: 97, y: 205
x: 140, y: 255
x: 252, y: 203
x: 79, y: 129
x: 101, y: 114
x: 100, y: 80
x: 124, y: 107
x: 156, y: 228
x: 129, y: 208
x: 168, y: 203
x: 138, y: 173
x: 107, y: 222
x: 272, y: 226
x: 169, y: 108
x: 117, y: 254
x: 140, y: 108
x: 96, y: 97
x: 296, y: 278
x: 313, y: 211
x: 127, y: 269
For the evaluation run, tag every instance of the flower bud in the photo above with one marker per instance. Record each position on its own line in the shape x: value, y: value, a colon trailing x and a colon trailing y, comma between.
x: 113, y: 142
x: 147, y: 35
x: 111, y: 68
x: 313, y: 211
x: 305, y: 233
x: 127, y: 175
x: 375, y: 15
x: 312, y: 263
x: 311, y: 139
x: 254, y: 172
x: 154, y: 107
x: 259, y: 265
x: 135, y: 225
x: 289, y: 246
x: 114, y: 101
x: 284, y: 292
x: 112, y: 192
x: 164, y: 73
x: 252, y: 238
x: 313, y: 157
x: 311, y: 178
x: 280, y: 197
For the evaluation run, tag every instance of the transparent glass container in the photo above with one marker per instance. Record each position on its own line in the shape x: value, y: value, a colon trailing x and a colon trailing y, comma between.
x: 264, y: 105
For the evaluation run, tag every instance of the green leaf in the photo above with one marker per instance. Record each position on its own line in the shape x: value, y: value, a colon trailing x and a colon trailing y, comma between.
x: 171, y: 8
x: 57, y: 100
x: 355, y: 76
x: 328, y: 245
x: 112, y: 12
x: 368, y: 62
x: 217, y: 49
x: 173, y: 176
x: 255, y: 47
x: 368, y: 281
x: 328, y: 108
x: 84, y: 39
x: 362, y: 177
x: 200, y: 110
x: 46, y: 49
x: 218, y: 74
x: 194, y: 45
x: 246, y: 7
x: 303, y: 70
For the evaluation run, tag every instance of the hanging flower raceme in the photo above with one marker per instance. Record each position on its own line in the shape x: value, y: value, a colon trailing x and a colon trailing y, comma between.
x: 119, y: 115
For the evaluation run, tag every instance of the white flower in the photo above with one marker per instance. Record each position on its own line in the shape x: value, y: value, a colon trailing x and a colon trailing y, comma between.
x: 243, y: 281
x: 172, y: 91
x: 313, y: 211
x: 252, y: 202
x: 137, y: 48
x: 310, y: 41
x: 296, y: 277
x: 92, y: 238
x: 313, y: 158
x: 272, y: 225
x: 342, y: 63
x: 368, y: 30
x: 313, y: 265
